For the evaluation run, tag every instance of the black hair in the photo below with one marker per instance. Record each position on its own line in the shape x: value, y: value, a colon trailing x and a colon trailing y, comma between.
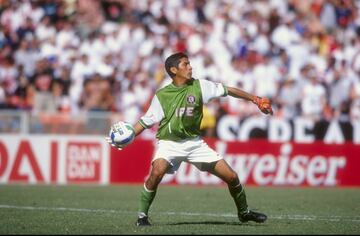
x: 173, y: 61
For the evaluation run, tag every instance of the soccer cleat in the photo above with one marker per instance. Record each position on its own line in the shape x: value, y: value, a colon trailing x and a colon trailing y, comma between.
x: 252, y: 216
x: 143, y: 221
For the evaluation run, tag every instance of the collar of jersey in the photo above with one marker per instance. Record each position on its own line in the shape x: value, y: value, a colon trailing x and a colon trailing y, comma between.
x: 183, y: 86
x: 179, y: 87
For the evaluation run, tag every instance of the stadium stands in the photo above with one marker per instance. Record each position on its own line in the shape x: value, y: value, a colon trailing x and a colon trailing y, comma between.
x: 71, y: 57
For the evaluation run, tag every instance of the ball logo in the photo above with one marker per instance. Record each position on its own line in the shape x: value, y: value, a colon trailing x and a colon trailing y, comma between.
x: 190, y: 99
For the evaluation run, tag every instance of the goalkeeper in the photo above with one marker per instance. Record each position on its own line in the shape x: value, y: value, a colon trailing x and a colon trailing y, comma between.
x: 178, y: 109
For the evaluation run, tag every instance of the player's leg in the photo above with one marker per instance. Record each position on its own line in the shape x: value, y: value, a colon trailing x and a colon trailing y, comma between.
x: 166, y: 160
x: 159, y: 168
x: 222, y: 170
x: 206, y: 159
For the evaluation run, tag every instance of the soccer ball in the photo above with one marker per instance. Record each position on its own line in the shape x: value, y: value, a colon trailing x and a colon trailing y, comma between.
x: 122, y: 133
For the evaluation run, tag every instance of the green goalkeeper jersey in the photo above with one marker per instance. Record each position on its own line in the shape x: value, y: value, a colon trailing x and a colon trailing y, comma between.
x: 180, y: 109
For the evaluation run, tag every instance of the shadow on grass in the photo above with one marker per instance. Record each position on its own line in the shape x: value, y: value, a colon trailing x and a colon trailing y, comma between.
x: 214, y: 223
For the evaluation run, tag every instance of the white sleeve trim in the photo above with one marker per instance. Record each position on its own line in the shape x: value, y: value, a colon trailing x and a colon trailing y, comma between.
x: 154, y: 114
x: 210, y: 90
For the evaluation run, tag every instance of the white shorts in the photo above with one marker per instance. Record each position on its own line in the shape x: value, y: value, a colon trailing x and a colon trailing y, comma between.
x: 195, y: 151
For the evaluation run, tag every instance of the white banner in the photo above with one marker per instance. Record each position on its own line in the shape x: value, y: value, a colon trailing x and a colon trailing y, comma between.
x: 54, y: 159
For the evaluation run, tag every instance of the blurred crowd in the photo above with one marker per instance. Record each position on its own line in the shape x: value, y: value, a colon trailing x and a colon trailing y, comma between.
x: 71, y: 56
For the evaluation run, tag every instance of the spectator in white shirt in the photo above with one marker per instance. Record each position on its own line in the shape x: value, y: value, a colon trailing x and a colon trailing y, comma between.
x: 313, y: 97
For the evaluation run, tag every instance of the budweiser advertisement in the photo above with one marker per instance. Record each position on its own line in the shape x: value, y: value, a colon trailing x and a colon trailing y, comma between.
x: 76, y: 159
x: 257, y: 162
x: 53, y: 159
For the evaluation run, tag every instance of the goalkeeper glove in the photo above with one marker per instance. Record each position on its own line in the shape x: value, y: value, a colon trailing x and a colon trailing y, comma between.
x: 263, y: 104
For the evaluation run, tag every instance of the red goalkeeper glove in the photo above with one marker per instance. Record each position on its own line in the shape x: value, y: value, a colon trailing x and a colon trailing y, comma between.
x: 263, y: 104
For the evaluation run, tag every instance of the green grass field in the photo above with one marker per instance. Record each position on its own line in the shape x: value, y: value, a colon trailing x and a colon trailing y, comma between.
x: 86, y: 209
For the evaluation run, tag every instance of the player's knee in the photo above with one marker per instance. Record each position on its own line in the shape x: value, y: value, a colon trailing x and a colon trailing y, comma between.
x: 158, y: 174
x: 159, y: 169
x: 233, y: 179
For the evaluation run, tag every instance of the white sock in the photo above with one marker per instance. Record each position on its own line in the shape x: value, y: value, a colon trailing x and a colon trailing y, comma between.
x: 141, y: 215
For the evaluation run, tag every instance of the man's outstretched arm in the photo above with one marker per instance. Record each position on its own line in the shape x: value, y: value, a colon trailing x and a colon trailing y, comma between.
x: 263, y: 104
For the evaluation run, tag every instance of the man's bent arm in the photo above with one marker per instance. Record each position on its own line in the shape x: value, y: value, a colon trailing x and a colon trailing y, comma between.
x: 138, y: 128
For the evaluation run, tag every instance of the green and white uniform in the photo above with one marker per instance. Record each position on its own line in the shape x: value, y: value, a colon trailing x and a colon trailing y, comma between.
x: 179, y: 111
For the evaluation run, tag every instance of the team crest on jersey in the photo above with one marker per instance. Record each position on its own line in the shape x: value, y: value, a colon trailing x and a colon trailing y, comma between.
x: 190, y: 99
